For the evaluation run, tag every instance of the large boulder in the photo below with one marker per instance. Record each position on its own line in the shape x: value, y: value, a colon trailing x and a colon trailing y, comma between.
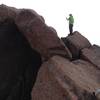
x: 60, y: 79
x: 41, y: 37
x: 46, y: 86
x: 75, y: 43
x: 92, y: 55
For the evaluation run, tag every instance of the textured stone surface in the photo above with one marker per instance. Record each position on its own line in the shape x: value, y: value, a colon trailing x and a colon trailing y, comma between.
x: 76, y: 79
x: 7, y: 12
x: 92, y: 55
x: 41, y: 37
x: 75, y: 43
x: 47, y: 87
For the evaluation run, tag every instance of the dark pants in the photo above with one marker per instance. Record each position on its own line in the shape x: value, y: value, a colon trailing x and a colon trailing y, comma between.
x: 71, y: 28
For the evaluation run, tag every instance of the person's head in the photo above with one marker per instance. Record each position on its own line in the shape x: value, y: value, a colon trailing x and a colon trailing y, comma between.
x: 70, y: 14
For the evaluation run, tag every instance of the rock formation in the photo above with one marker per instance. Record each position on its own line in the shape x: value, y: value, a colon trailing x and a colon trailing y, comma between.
x: 33, y: 27
x: 75, y: 79
x: 76, y: 43
x: 70, y: 67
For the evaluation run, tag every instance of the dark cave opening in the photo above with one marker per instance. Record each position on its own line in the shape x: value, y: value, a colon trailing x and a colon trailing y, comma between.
x: 19, y: 63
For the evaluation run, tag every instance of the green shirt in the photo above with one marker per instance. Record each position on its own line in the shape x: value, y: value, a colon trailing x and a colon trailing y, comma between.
x: 71, y: 20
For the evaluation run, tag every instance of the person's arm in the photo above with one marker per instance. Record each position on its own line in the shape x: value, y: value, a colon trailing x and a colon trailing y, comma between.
x: 67, y: 18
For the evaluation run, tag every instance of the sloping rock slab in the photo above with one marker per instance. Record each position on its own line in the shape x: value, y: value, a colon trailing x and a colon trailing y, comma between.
x: 47, y: 87
x: 41, y: 37
x: 92, y: 55
x: 75, y: 43
x: 65, y: 80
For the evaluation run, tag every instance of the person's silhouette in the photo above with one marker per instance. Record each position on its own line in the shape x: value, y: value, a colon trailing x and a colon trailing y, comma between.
x: 71, y: 22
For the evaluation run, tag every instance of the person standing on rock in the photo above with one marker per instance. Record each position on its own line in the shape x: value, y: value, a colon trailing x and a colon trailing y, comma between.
x: 71, y: 22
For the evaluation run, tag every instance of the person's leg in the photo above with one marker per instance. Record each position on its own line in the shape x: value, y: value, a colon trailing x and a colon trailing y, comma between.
x: 71, y: 28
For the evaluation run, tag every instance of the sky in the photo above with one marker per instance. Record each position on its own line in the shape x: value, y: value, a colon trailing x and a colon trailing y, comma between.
x: 86, y: 15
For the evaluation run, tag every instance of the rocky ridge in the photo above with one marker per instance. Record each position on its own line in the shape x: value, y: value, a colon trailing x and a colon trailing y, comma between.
x: 70, y: 66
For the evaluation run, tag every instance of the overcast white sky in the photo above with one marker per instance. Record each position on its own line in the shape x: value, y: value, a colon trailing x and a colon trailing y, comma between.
x: 86, y: 14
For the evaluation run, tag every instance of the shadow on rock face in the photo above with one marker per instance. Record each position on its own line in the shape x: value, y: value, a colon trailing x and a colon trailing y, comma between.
x: 19, y: 64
